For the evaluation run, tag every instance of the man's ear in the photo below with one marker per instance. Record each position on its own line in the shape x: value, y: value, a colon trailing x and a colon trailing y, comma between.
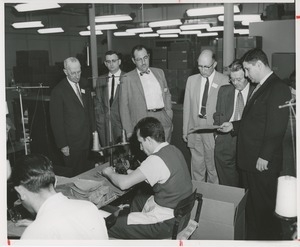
x: 65, y: 71
x: 20, y: 190
x: 133, y: 60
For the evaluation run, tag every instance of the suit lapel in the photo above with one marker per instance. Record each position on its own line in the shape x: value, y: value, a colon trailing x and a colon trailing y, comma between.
x: 231, y: 96
x: 72, y: 93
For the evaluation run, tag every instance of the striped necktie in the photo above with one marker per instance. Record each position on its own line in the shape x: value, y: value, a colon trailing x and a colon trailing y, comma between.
x: 239, y: 107
x: 204, y: 98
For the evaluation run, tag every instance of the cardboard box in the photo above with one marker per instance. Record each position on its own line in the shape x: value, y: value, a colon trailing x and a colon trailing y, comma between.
x: 223, y: 212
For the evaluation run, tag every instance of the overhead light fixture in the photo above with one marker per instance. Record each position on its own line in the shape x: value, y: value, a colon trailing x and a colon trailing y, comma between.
x: 123, y: 34
x: 112, y: 18
x: 27, y: 24
x: 146, y: 35
x: 215, y: 29
x: 166, y: 23
x: 207, y: 34
x: 241, y: 31
x: 88, y: 33
x: 50, y: 30
x: 139, y: 30
x: 194, y: 26
x: 190, y: 32
x: 168, y: 36
x: 104, y: 27
x: 251, y: 18
x: 247, y: 23
x: 217, y: 10
x: 164, y: 31
x: 41, y: 5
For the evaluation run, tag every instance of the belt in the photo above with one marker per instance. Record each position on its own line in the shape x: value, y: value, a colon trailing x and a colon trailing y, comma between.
x: 200, y: 116
x: 156, y: 110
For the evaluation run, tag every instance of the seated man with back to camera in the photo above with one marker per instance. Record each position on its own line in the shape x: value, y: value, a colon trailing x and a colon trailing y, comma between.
x: 57, y: 217
x: 165, y: 169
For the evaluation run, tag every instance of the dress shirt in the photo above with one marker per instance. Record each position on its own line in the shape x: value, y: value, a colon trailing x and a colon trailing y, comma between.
x: 117, y: 82
x: 245, y: 93
x: 152, y: 91
x: 202, y: 87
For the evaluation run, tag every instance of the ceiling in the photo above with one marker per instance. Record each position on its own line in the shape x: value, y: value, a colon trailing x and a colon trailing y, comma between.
x: 74, y: 17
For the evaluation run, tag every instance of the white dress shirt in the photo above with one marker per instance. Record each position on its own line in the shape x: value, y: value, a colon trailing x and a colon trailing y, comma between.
x: 117, y: 82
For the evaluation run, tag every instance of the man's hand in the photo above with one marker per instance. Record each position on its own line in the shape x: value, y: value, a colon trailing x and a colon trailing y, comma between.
x: 184, y: 137
x: 23, y: 222
x: 262, y: 164
x: 225, y: 127
x: 65, y: 150
x: 108, y: 171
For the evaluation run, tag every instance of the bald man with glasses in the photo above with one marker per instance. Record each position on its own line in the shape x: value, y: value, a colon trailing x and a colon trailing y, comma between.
x: 198, y: 108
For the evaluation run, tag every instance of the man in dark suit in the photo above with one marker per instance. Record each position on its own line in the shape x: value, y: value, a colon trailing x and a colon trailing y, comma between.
x: 144, y: 93
x: 107, y: 114
x: 71, y: 115
x: 259, y: 149
x: 230, y: 104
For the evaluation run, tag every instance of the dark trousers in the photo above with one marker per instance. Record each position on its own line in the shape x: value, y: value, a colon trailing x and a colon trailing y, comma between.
x: 122, y: 230
x: 77, y: 161
x: 225, y: 160
x: 261, y: 223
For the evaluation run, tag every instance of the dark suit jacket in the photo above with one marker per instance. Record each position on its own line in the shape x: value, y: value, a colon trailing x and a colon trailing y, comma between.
x: 101, y: 102
x: 72, y: 124
x: 263, y: 125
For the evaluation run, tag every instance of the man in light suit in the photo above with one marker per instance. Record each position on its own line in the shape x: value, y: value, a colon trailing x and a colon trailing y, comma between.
x: 198, y: 112
x: 230, y: 104
x: 72, y: 117
x: 107, y: 101
x: 259, y: 150
x: 144, y: 93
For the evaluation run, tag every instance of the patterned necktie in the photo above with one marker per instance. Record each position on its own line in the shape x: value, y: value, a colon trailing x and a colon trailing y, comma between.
x: 239, y: 107
x: 112, y: 90
x: 78, y: 93
x: 204, y: 98
x: 255, y: 89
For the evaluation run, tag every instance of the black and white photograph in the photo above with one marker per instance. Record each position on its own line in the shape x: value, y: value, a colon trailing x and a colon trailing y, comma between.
x: 149, y: 123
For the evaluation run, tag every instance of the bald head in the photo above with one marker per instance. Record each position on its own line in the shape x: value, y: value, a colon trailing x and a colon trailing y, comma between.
x: 206, y: 63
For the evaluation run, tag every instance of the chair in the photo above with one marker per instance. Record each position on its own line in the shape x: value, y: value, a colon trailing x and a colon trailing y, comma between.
x: 183, y: 208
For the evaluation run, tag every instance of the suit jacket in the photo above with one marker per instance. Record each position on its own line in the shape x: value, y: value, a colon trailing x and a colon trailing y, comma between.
x: 132, y: 98
x: 263, y: 125
x: 225, y: 103
x: 101, y: 102
x: 72, y: 123
x: 191, y: 103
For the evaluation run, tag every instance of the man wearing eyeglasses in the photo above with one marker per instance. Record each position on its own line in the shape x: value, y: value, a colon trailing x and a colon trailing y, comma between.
x: 107, y: 101
x: 144, y: 93
x: 72, y: 117
x: 198, y: 108
x: 230, y: 105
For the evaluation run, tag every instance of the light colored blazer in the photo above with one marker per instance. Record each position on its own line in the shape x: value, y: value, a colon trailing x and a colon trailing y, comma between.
x: 191, y: 103
x: 132, y: 98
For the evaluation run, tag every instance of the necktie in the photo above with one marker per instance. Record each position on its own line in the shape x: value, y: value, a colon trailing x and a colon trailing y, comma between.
x: 255, y: 89
x: 204, y: 98
x: 146, y: 72
x: 78, y: 93
x: 112, y: 90
x: 239, y: 107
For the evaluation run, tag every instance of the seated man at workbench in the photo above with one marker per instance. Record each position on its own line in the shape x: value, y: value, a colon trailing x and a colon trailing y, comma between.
x: 57, y: 217
x: 165, y: 169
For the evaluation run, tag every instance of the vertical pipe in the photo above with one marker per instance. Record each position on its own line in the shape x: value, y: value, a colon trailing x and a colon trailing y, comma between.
x: 93, y: 46
x: 109, y: 40
x: 228, y: 39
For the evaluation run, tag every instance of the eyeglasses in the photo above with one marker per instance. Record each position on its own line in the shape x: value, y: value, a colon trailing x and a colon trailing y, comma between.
x: 111, y: 61
x: 145, y: 58
x: 206, y: 67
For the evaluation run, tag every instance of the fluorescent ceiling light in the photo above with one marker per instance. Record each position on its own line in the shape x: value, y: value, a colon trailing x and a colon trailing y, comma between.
x: 112, y: 18
x: 190, y: 32
x: 194, y: 26
x: 163, y: 31
x: 27, y: 24
x: 241, y: 31
x: 50, y: 30
x: 139, y: 30
x: 246, y: 23
x: 88, y: 33
x: 174, y: 22
x: 145, y: 35
x: 36, y: 6
x: 215, y: 29
x: 123, y: 34
x: 207, y: 34
x: 104, y: 27
x: 218, y: 10
x: 251, y: 18
x: 168, y: 36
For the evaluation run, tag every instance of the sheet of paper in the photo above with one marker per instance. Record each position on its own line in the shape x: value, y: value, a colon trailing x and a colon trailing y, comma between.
x: 204, y: 127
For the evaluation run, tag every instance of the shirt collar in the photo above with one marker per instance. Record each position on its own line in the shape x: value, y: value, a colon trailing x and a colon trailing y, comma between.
x: 118, y: 73
x: 160, y: 146
x: 265, y: 78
